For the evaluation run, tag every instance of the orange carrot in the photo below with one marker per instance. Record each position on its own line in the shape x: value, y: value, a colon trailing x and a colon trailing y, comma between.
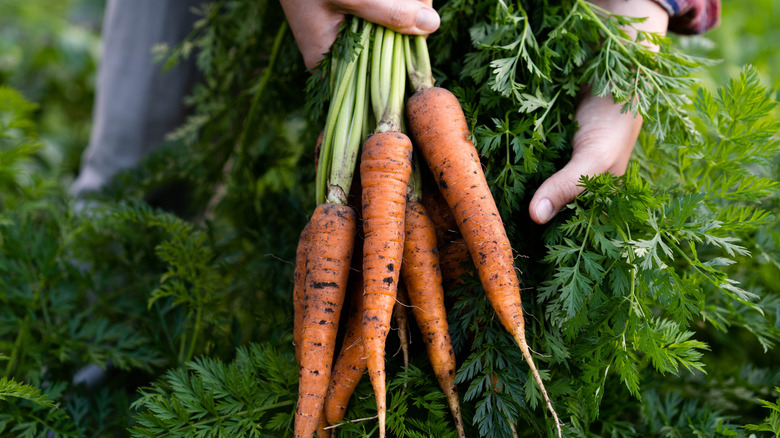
x: 422, y: 277
x: 327, y: 270
x: 402, y: 321
x: 439, y: 128
x: 385, y: 169
x: 299, y: 278
x: 351, y: 363
x: 453, y: 258
x: 439, y: 212
x: 321, y: 431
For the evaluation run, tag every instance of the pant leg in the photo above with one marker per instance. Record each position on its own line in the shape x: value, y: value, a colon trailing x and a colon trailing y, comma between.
x: 136, y: 103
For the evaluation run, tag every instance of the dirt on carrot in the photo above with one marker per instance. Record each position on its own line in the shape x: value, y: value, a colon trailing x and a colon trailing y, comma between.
x: 385, y: 168
x: 422, y: 277
x: 333, y: 229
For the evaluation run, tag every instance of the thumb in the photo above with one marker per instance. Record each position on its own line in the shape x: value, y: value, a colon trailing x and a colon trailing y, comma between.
x: 560, y: 189
x: 412, y: 17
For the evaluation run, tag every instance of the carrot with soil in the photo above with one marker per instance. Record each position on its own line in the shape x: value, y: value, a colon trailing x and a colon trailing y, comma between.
x: 333, y: 228
x: 438, y: 211
x: 439, y: 128
x: 401, y: 317
x: 385, y: 169
x: 351, y: 363
x: 422, y: 276
x: 299, y: 282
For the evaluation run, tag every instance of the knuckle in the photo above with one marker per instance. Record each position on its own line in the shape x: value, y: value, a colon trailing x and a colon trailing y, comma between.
x: 401, y: 16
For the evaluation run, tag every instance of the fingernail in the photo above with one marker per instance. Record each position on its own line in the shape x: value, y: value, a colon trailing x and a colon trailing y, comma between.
x: 427, y: 20
x: 544, y: 210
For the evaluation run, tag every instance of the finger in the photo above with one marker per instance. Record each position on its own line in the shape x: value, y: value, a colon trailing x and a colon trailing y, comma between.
x: 314, y: 25
x: 561, y: 188
x: 412, y: 17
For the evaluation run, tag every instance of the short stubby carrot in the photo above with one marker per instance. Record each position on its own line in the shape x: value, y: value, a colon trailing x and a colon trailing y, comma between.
x: 439, y: 128
x: 351, y: 362
x: 385, y: 169
x: 421, y: 274
x: 332, y: 231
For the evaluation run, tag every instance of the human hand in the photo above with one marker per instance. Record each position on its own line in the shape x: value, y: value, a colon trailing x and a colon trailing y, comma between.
x: 315, y: 23
x: 605, y: 136
x: 603, y: 143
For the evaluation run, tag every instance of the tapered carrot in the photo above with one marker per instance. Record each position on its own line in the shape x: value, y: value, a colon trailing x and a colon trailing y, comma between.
x: 299, y: 278
x: 351, y: 362
x: 421, y: 274
x: 401, y: 317
x: 333, y: 231
x: 439, y: 128
x: 439, y: 212
x: 454, y: 260
x: 385, y: 168
x: 328, y: 261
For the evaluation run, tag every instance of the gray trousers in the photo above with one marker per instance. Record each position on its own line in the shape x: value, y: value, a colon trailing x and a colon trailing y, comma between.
x: 136, y: 103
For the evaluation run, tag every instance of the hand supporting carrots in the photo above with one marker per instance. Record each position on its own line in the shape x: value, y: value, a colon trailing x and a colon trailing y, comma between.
x: 400, y: 239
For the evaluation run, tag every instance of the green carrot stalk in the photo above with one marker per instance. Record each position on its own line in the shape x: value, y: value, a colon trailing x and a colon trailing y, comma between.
x: 341, y: 138
x: 418, y: 63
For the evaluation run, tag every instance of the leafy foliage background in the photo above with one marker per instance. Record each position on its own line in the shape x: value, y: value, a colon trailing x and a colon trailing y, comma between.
x: 653, y: 301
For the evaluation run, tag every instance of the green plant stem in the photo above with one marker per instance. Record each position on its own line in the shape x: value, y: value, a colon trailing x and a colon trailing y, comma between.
x: 338, y: 120
x: 377, y: 98
x: 341, y: 135
x: 392, y: 117
x: 326, y: 150
x: 265, y: 79
x: 588, y: 9
x: 418, y: 63
x: 195, y: 333
x: 384, y: 72
x: 345, y: 152
x: 16, y: 351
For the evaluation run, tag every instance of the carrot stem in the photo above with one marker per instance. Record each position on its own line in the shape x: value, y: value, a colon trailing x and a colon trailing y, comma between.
x: 377, y: 97
x: 323, y: 170
x: 418, y: 63
x: 350, y: 133
x: 339, y: 117
x: 392, y: 117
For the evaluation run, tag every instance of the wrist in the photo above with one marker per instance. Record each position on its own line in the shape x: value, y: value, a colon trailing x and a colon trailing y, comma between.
x: 656, y: 17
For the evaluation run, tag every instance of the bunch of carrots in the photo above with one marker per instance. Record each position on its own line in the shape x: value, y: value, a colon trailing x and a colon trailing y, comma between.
x: 402, y: 231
